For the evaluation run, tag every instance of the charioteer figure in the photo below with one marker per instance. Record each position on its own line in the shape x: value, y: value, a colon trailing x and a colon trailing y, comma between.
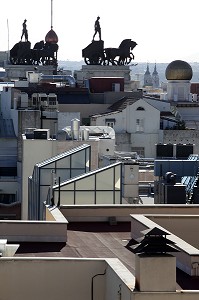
x: 97, y: 29
x: 24, y: 31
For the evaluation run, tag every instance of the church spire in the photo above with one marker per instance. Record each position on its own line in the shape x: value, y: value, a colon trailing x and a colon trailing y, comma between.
x: 147, y: 70
x: 155, y: 78
x: 155, y: 70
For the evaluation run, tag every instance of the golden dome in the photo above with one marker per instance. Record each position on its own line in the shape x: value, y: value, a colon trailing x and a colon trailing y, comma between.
x: 178, y: 70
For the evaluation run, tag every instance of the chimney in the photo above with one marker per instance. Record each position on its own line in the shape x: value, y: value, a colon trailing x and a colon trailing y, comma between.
x: 155, y: 268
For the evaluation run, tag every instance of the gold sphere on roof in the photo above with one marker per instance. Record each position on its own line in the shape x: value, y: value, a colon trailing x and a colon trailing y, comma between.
x: 178, y: 70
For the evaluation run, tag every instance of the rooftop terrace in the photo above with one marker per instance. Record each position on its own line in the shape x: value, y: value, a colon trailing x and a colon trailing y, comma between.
x: 97, y: 240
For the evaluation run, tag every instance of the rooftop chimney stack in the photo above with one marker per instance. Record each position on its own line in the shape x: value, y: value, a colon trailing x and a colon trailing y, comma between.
x: 155, y: 268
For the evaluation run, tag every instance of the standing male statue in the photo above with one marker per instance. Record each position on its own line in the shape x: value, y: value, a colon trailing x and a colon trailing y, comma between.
x: 97, y: 28
x: 24, y: 31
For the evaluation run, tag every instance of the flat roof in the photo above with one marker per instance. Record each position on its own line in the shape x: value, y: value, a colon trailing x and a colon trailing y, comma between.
x: 98, y: 240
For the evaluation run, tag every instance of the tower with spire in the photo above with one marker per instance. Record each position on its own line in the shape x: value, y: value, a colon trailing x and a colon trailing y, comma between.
x: 155, y: 78
x: 147, y: 77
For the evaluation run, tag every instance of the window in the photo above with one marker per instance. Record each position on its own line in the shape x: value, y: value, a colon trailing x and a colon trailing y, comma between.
x: 139, y: 125
x: 140, y: 108
x: 110, y: 122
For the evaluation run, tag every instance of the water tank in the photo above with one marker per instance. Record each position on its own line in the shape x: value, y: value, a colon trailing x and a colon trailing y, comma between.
x: 75, y: 126
x: 86, y: 134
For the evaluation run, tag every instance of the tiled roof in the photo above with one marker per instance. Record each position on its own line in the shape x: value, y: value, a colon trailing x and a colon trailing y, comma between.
x: 122, y: 103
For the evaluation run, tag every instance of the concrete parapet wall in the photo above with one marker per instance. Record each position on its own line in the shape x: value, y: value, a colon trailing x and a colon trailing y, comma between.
x: 188, y: 256
x: 64, y: 278
x: 33, y: 231
x: 101, y: 213
x: 184, y: 226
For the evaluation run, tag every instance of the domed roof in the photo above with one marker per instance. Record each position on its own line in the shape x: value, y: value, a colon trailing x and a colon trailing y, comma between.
x: 51, y: 37
x: 178, y: 70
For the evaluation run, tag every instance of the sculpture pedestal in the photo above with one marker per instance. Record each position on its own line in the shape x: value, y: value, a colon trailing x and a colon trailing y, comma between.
x: 89, y: 71
x: 17, y: 71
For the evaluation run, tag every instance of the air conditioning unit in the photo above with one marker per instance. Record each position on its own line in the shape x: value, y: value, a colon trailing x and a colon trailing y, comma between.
x: 41, y: 134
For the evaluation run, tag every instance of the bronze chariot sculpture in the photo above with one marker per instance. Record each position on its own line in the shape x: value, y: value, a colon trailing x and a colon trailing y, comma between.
x: 42, y: 53
x: 95, y: 54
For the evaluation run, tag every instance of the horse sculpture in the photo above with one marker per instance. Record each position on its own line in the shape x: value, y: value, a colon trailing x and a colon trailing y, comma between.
x: 45, y: 53
x: 95, y: 54
x: 123, y: 53
x: 36, y: 52
x: 49, y: 54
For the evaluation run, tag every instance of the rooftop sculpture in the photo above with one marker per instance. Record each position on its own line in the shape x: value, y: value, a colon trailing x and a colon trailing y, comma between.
x: 24, y: 31
x: 42, y: 53
x: 97, y: 29
x: 96, y: 54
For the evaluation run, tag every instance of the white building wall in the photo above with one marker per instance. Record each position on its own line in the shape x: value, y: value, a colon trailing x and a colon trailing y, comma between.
x: 52, y: 279
x: 150, y: 117
x: 46, y: 150
x: 120, y: 121
x: 126, y: 122
x: 50, y: 148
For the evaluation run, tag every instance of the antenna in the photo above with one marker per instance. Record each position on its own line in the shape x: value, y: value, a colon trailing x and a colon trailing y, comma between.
x: 51, y: 14
x: 8, y: 38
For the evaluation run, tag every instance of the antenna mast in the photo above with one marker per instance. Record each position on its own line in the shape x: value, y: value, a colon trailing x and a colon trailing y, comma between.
x: 51, y: 14
x: 8, y: 38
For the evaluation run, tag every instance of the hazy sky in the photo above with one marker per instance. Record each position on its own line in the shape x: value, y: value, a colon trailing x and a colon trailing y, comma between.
x: 164, y: 30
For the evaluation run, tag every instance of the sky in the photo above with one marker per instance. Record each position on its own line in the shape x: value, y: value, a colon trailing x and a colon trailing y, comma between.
x: 164, y: 30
